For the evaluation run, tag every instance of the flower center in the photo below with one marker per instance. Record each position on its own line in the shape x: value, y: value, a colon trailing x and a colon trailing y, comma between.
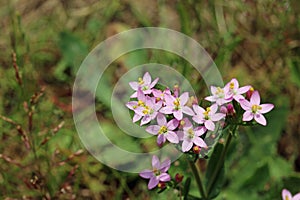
x: 191, y: 133
x: 231, y: 85
x: 141, y: 103
x: 163, y: 129
x: 156, y: 172
x: 220, y: 92
x: 145, y: 88
x: 177, y: 104
x: 256, y: 108
x: 286, y: 197
x: 141, y: 81
x: 206, y: 113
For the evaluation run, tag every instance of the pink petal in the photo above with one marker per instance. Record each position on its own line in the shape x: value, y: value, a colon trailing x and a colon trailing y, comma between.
x: 157, y: 105
x: 156, y: 93
x: 245, y: 104
x: 153, y: 129
x: 210, y: 98
x: 153, y: 182
x: 260, y: 119
x: 172, y: 137
x: 209, y: 125
x: 134, y: 85
x: 255, y: 98
x: 166, y: 110
x: 198, y: 110
x: 217, y: 116
x: 146, y: 173
x: 198, y: 119
x: 136, y: 118
x: 266, y: 107
x: 180, y: 135
x: 213, y: 108
x: 199, y: 141
x: 244, y: 89
x: 134, y: 95
x: 169, y: 99
x: 154, y: 83
x: 164, y: 177
x: 178, y: 114
x: 286, y: 194
x: 184, y: 98
x: 235, y: 82
x: 187, y: 110
x: 200, y: 130
x: 146, y: 119
x: 147, y: 78
x: 161, y: 120
x: 186, y: 145
x: 165, y: 165
x: 155, y: 162
x: 172, y: 124
x: 247, y: 116
x: 238, y: 97
x: 130, y: 104
x: 161, y: 139
x: 296, y: 197
x: 140, y: 95
x: 213, y: 89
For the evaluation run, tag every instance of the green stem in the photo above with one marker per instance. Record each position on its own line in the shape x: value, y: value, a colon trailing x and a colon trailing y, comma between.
x: 221, y: 161
x: 197, y: 177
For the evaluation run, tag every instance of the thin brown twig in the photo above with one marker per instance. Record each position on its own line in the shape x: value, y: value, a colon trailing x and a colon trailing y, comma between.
x: 16, y: 67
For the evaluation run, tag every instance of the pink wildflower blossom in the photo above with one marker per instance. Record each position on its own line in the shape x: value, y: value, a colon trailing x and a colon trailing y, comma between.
x: 144, y: 84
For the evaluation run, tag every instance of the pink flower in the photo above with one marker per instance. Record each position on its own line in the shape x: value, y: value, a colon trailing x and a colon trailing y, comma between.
x: 149, y: 110
x: 160, y: 95
x: 176, y: 106
x: 158, y: 172
x: 218, y: 96
x: 192, y: 136
x: 144, y: 83
x: 286, y: 195
x: 208, y: 116
x: 232, y: 90
x: 164, y: 130
x: 254, y: 109
x: 135, y: 105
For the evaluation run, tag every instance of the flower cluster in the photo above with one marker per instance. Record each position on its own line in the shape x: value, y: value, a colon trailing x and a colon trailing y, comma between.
x: 178, y: 119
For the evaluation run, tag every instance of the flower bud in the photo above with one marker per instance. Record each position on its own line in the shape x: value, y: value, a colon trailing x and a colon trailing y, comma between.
x: 178, y: 178
x: 230, y: 109
x: 161, y: 185
x: 176, y: 90
x: 196, y: 149
x: 223, y: 110
x: 249, y: 93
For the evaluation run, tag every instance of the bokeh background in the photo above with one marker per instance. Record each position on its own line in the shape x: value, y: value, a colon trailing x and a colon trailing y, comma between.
x: 41, y: 156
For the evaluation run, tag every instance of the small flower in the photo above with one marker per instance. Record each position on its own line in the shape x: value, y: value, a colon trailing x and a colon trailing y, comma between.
x: 158, y: 172
x: 160, y: 95
x: 254, y: 109
x: 232, y: 90
x: 218, y: 96
x: 135, y: 105
x: 144, y: 84
x: 286, y: 195
x: 249, y: 93
x: 149, y: 110
x: 208, y: 116
x: 164, y: 130
x: 176, y: 106
x: 230, y: 109
x: 192, y: 136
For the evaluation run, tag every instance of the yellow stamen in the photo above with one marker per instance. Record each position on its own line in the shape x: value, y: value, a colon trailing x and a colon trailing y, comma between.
x: 141, y: 81
x: 286, y: 197
x: 231, y: 85
x: 177, y: 103
x: 146, y: 111
x: 191, y: 133
x: 251, y: 89
x: 134, y: 107
x: 255, y: 108
x: 182, y: 122
x: 205, y: 113
x: 163, y: 129
x: 219, y: 91
x: 141, y: 103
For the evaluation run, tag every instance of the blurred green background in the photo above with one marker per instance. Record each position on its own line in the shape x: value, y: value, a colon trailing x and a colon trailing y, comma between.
x: 41, y: 156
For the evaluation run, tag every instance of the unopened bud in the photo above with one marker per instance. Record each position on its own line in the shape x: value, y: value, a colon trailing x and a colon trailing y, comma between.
x: 178, y: 177
x: 249, y: 93
x: 161, y: 185
x: 196, y: 149
x: 230, y: 109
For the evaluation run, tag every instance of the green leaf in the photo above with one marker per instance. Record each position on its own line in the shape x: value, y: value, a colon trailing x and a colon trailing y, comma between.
x: 213, y: 162
x: 186, y: 188
x: 258, y: 179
